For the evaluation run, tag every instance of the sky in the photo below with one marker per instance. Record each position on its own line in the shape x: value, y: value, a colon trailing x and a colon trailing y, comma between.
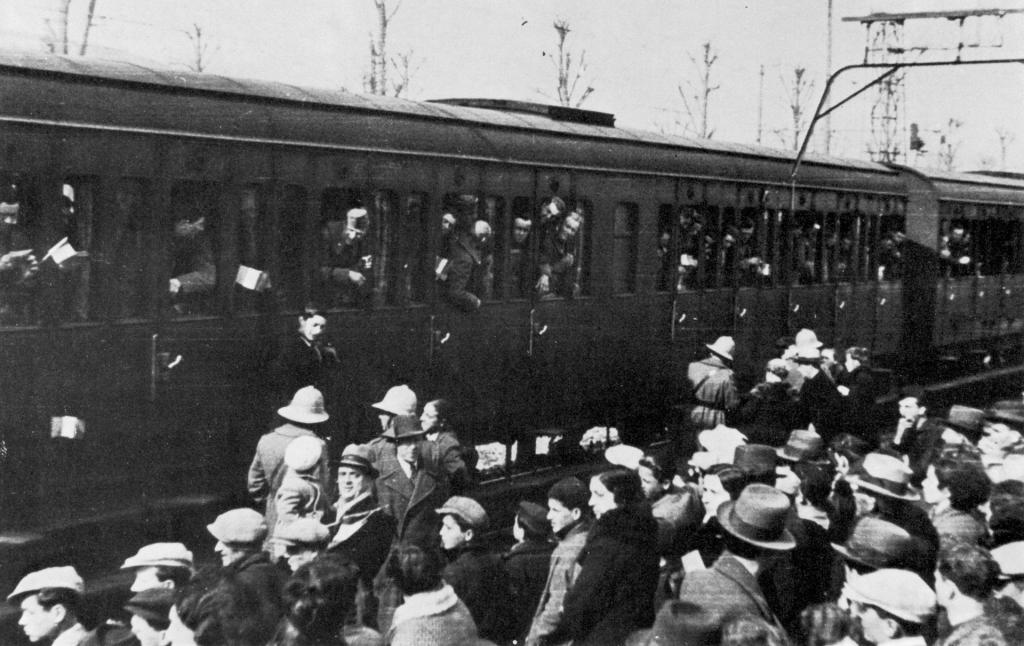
x: 638, y: 54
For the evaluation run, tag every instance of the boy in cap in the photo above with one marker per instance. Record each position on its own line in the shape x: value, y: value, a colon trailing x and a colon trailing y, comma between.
x: 473, y: 571
x: 150, y: 609
x: 50, y: 602
x: 301, y: 494
x: 160, y: 565
x: 527, y: 563
x: 890, y: 605
x: 569, y: 515
x: 240, y: 534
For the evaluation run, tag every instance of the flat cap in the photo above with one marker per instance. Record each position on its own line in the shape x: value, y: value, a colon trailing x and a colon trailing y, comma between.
x: 466, y: 509
x: 898, y: 592
x: 302, y: 531
x: 65, y: 577
x: 153, y: 605
x: 160, y: 554
x: 239, y: 526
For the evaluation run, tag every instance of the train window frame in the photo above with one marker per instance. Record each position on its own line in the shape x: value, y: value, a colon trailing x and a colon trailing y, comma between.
x: 331, y: 288
x: 417, y: 276
x: 625, y: 247
x: 291, y: 268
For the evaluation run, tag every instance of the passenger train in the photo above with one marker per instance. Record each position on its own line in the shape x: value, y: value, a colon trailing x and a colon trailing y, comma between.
x: 172, y: 394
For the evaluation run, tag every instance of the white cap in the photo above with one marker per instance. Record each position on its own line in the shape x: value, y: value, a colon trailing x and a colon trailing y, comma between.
x: 52, y: 577
x: 624, y: 455
x: 897, y: 592
x: 160, y: 554
x: 1010, y: 558
x: 303, y: 453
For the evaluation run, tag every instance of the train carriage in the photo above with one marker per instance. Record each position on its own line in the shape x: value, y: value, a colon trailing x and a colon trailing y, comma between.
x: 172, y: 388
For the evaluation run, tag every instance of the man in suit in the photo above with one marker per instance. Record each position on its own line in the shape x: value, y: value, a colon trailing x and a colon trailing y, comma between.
x: 307, y: 358
x: 755, y: 531
x: 819, y: 401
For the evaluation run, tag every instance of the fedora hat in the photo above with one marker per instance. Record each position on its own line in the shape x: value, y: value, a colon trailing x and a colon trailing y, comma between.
x: 755, y: 459
x: 877, y: 544
x: 398, y: 400
x: 723, y: 346
x: 404, y: 427
x: 803, y: 446
x: 967, y: 419
x: 758, y: 517
x: 357, y: 456
x: 806, y: 338
x: 306, y: 407
x: 885, y: 475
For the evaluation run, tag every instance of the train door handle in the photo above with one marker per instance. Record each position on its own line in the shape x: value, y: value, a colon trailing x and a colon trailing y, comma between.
x: 539, y: 329
x: 167, y: 363
x: 442, y: 337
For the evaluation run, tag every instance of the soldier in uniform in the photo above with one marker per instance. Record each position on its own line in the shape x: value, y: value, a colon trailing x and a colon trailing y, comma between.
x: 345, y: 263
x: 713, y: 386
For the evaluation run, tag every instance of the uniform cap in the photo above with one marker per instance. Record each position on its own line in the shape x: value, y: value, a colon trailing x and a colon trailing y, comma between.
x: 898, y: 592
x: 302, y: 531
x: 306, y: 407
x: 357, y: 456
x: 466, y: 509
x: 303, y: 453
x: 153, y: 605
x: 399, y: 400
x: 533, y: 517
x: 242, y: 525
x: 65, y: 577
x: 160, y: 554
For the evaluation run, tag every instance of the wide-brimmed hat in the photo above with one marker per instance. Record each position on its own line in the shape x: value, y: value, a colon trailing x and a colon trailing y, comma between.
x: 239, y: 526
x: 723, y: 346
x: 357, y: 456
x: 465, y: 509
x: 807, y: 338
x: 684, y: 622
x: 758, y: 517
x: 160, y: 555
x: 64, y: 577
x: 886, y: 475
x: 624, y: 455
x: 898, y: 592
x: 398, y: 400
x: 720, y: 444
x: 803, y: 446
x: 877, y: 544
x: 306, y: 407
x: 404, y: 427
x: 966, y: 419
x: 303, y: 453
x: 755, y: 459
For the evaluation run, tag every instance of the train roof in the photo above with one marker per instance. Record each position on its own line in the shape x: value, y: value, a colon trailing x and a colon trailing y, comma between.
x: 123, y: 72
x: 981, y: 187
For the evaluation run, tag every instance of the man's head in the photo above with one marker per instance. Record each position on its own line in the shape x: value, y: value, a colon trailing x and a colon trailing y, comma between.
x: 1010, y: 558
x: 961, y: 481
x: 911, y: 403
x: 570, y: 226
x: 356, y: 223
x: 521, y: 230
x: 531, y: 522
x: 567, y: 503
x: 655, y: 476
x: 965, y: 570
x: 312, y: 324
x: 239, y: 534
x: 149, y: 609
x: 160, y: 565
x: 356, y: 473
x: 481, y: 233
x: 889, y: 604
x: 407, y: 434
x: 462, y: 519
x: 49, y: 600
x: 303, y: 540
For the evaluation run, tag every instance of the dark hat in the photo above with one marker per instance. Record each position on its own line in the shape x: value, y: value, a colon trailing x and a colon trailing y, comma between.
x: 886, y: 475
x: 803, y: 446
x: 877, y: 544
x: 357, y: 456
x: 758, y: 517
x: 404, y: 427
x: 571, y: 492
x: 755, y: 459
x: 533, y: 517
x: 683, y: 622
x: 966, y: 419
x: 153, y: 605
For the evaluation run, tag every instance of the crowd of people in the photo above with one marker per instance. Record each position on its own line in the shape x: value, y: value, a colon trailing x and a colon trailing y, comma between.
x: 786, y: 515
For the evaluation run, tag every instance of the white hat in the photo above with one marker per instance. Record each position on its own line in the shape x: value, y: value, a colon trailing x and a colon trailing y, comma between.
x: 303, y: 453
x: 399, y: 400
x: 160, y: 554
x: 52, y: 577
x: 720, y: 443
x: 306, y: 407
x: 807, y: 338
x: 1010, y: 558
x: 723, y: 346
x: 624, y: 455
x: 898, y: 592
x: 241, y: 525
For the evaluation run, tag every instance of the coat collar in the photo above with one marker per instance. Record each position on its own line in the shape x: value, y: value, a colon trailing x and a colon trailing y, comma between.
x: 733, y: 570
x: 290, y: 430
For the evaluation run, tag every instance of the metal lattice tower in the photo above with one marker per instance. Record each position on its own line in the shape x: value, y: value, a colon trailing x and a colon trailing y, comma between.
x: 888, y: 110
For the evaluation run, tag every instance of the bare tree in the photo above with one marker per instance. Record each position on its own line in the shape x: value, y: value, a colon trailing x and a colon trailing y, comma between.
x: 697, y: 95
x: 949, y: 144
x: 570, y: 72
x: 387, y: 75
x: 58, y: 40
x: 799, y: 91
x: 404, y: 68
x: 1006, y: 139
x: 202, y: 50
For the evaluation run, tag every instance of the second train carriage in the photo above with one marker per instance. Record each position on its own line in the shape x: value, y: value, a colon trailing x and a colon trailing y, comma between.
x: 268, y: 165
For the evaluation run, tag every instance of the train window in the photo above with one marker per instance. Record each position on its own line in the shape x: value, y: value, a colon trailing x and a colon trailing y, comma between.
x: 955, y: 247
x: 563, y: 262
x: 465, y: 237
x: 624, y: 247
x: 494, y: 214
x: 804, y: 248
x: 845, y: 265
x: 521, y: 274
x: 694, y: 246
x: 892, y: 228
x: 290, y: 281
x: 743, y: 249
x: 119, y: 255
x: 70, y: 254
x: 666, y: 249
x: 193, y: 249
x: 20, y: 225
x: 1009, y: 239
x: 346, y: 265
